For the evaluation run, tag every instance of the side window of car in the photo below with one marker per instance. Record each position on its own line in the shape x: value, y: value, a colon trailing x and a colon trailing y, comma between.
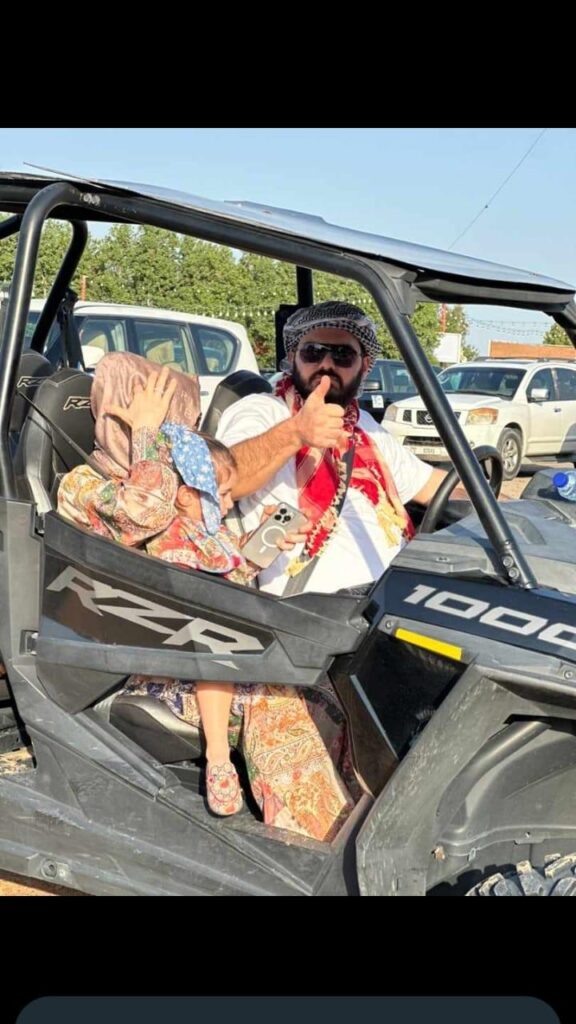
x: 566, y: 384
x: 105, y: 333
x: 377, y: 376
x: 166, y: 343
x: 543, y: 381
x: 98, y: 335
x: 401, y: 381
x: 218, y: 346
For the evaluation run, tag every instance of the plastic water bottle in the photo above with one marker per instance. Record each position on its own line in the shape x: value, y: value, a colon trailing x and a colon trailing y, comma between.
x: 565, y: 484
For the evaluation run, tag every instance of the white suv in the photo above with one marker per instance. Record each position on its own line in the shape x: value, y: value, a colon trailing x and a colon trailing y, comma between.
x: 205, y: 345
x: 522, y: 407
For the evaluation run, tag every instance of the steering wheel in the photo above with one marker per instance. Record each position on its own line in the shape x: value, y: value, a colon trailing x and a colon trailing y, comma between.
x: 437, y: 506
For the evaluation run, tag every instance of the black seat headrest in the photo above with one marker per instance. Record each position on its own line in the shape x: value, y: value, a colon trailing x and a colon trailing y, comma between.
x: 230, y: 390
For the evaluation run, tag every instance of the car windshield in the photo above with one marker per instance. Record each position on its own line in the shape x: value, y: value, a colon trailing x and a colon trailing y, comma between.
x: 482, y: 380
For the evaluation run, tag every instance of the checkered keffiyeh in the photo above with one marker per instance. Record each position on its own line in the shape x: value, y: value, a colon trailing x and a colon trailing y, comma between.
x: 341, y: 316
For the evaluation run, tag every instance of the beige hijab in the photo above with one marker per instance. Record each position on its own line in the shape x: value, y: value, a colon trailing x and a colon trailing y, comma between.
x: 114, y: 380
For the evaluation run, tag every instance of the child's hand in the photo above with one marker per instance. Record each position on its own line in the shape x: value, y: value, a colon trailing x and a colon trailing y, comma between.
x: 149, y: 405
x: 286, y: 543
x: 267, y: 511
x: 290, y: 540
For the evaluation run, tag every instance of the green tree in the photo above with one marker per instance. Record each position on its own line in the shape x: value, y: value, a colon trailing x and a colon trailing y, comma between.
x: 457, y: 323
x: 556, y: 335
x: 427, y: 326
x: 264, y: 285
x: 208, y: 279
x: 108, y: 266
x: 152, y: 267
x: 53, y: 244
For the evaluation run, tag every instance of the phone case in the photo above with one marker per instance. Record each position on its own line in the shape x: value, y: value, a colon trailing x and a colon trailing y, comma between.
x: 262, y: 548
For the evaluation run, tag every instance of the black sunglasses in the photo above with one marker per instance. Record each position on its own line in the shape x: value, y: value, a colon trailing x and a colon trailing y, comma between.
x: 341, y: 355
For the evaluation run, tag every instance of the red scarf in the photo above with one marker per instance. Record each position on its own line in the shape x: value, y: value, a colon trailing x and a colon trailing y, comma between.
x: 321, y: 474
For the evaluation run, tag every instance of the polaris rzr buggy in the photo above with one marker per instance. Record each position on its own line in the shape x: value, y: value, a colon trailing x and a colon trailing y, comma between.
x: 456, y: 670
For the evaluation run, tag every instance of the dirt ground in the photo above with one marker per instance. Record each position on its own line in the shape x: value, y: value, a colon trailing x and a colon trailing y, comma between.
x: 14, y: 885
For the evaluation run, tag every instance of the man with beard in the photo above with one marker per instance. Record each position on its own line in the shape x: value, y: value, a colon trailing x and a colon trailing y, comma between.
x: 311, y: 446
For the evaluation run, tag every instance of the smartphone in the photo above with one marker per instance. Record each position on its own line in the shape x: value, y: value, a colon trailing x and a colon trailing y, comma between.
x: 262, y: 547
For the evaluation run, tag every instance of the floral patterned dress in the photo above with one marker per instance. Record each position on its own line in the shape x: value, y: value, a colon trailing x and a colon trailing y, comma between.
x: 294, y: 742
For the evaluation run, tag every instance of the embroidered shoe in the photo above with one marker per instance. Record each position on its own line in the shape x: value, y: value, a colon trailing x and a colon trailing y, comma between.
x: 223, y: 789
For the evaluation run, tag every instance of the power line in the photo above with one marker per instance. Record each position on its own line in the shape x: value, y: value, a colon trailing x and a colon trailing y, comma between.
x: 509, y: 323
x: 500, y: 187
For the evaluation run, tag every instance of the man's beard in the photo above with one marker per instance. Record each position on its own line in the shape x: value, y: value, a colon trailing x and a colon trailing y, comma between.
x: 338, y: 393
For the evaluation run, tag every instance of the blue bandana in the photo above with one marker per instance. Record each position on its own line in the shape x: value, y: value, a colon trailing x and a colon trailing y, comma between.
x: 193, y: 462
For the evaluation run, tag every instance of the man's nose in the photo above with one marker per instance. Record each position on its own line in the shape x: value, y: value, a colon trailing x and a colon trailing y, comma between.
x: 327, y: 355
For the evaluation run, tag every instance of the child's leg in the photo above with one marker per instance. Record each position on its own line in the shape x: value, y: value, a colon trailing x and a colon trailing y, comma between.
x: 215, y: 701
x: 222, y: 784
x: 208, y: 704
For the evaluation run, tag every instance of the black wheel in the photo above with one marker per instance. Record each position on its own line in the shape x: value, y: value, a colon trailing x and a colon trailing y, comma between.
x: 510, y: 448
x: 556, y: 878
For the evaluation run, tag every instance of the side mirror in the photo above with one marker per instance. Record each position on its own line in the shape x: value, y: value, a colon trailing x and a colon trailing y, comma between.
x: 538, y: 395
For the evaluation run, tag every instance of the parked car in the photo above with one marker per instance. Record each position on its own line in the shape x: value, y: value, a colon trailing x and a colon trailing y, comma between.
x: 208, y: 346
x: 387, y: 382
x: 523, y: 408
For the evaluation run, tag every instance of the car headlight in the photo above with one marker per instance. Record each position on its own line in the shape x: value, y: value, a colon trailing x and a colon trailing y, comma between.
x: 391, y: 412
x: 482, y: 416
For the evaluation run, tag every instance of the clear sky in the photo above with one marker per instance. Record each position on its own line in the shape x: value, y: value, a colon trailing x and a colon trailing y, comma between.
x: 421, y: 184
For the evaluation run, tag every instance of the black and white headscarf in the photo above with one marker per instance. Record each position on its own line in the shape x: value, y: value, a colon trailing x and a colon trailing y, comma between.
x: 341, y: 316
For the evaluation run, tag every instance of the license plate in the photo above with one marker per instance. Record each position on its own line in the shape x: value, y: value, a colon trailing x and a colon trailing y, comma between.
x: 377, y: 401
x: 427, y: 451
